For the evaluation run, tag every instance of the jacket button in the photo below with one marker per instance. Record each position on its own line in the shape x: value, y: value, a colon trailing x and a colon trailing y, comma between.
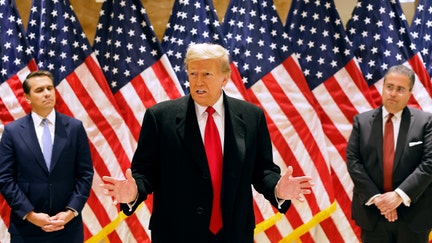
x: 199, y: 210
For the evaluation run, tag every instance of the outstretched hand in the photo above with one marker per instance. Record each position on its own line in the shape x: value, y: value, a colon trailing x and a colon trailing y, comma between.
x: 122, y: 190
x: 289, y: 187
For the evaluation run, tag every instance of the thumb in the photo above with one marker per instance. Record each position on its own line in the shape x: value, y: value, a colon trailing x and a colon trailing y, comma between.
x: 289, y: 171
x: 129, y: 176
x: 287, y: 174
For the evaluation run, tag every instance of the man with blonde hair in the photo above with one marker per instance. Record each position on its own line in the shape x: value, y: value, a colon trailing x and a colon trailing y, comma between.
x: 199, y: 156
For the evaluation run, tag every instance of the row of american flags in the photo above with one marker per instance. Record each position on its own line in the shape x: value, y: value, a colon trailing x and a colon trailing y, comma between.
x: 311, y: 75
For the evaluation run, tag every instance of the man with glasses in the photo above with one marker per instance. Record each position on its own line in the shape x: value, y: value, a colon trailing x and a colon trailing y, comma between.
x: 389, y: 158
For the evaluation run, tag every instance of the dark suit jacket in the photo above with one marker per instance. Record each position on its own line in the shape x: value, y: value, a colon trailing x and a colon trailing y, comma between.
x: 171, y: 163
x: 412, y: 167
x: 26, y: 183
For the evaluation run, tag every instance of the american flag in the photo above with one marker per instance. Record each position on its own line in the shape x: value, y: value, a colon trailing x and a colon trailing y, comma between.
x: 326, y: 58
x: 421, y: 32
x: 61, y: 47
x: 380, y: 34
x: 190, y: 22
x: 15, y: 63
x: 270, y: 77
x: 138, y: 73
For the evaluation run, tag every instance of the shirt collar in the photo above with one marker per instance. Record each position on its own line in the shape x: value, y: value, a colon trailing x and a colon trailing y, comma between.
x: 218, y: 106
x: 385, y: 114
x: 38, y: 119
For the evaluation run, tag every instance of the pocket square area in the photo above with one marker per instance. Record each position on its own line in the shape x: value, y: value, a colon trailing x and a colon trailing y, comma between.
x: 415, y: 143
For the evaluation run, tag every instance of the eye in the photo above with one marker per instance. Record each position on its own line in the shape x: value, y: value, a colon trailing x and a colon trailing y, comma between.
x: 401, y: 89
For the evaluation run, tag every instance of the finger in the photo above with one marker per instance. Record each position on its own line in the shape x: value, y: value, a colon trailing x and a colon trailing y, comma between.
x: 109, y: 179
x: 300, y: 199
x: 306, y: 191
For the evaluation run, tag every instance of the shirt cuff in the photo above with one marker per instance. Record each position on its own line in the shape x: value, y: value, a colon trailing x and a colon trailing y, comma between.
x: 279, y: 201
x: 405, y: 198
x: 75, y: 213
x: 132, y: 204
x: 370, y: 201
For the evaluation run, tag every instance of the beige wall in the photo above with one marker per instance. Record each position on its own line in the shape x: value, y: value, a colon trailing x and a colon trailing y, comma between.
x: 159, y: 11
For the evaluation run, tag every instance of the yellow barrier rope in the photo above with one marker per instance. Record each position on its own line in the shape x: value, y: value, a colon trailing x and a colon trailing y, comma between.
x: 102, y: 235
x: 299, y: 231
x: 261, y: 227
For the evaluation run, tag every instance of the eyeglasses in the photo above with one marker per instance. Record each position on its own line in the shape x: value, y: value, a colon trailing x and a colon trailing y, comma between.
x: 399, y: 89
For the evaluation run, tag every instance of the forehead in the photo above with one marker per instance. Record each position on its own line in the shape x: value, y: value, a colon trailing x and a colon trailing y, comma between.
x: 39, y: 81
x: 397, y: 79
x: 204, y: 64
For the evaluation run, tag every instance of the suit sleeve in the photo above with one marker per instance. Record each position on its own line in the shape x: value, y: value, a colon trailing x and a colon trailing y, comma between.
x: 421, y: 178
x: 16, y: 199
x: 364, y: 185
x: 266, y: 172
x: 144, y: 162
x: 84, y: 172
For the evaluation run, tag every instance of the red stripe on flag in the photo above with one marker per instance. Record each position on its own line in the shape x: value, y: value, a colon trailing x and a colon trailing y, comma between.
x: 421, y: 72
x: 340, y: 98
x: 4, y: 210
x: 127, y: 114
x: 357, y: 77
x: 98, y: 75
x: 5, y: 116
x: 102, y: 215
x: 97, y: 117
x: 165, y: 79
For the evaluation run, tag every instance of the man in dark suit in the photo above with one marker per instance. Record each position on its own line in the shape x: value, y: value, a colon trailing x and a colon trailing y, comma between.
x: 45, y: 190
x: 172, y: 162
x: 392, y: 184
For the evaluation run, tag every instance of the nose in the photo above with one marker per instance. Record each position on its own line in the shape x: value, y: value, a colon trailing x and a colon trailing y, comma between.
x: 199, y: 79
x: 47, y: 92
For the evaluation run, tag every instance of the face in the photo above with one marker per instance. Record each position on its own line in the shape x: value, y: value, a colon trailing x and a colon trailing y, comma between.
x: 42, y: 95
x: 206, y: 81
x: 396, y: 92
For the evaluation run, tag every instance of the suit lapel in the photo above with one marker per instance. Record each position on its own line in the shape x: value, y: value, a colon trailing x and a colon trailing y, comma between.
x: 187, y: 127
x: 376, y: 138
x: 60, y: 138
x: 235, y: 144
x: 29, y: 137
x: 406, y: 120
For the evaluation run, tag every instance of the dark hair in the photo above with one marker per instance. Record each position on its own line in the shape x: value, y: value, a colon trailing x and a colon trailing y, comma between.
x: 401, y: 69
x: 38, y: 73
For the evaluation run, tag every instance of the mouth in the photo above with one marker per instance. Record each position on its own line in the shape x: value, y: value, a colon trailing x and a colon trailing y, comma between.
x: 201, y: 91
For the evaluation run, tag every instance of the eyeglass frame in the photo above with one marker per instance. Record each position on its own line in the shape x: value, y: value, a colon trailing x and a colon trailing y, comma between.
x: 399, y: 89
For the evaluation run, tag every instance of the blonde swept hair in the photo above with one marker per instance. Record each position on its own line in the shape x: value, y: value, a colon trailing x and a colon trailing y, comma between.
x: 204, y: 51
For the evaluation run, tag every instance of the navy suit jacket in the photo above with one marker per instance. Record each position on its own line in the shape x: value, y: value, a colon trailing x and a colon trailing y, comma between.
x: 412, y: 171
x: 26, y: 182
x: 171, y: 163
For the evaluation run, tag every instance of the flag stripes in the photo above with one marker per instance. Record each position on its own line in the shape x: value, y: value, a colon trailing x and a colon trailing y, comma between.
x: 309, y: 119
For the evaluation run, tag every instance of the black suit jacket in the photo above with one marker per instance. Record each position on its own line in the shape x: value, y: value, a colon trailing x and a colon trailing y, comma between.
x: 171, y: 163
x: 412, y: 167
x: 26, y: 183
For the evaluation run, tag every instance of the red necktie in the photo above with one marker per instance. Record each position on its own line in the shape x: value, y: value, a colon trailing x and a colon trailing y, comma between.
x: 213, y: 148
x: 388, y: 153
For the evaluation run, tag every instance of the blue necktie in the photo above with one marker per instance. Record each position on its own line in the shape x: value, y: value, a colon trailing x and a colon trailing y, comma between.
x: 46, y: 143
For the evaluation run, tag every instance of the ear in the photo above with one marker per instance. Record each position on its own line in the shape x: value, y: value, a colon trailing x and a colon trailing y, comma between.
x: 27, y: 98
x: 226, y: 79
